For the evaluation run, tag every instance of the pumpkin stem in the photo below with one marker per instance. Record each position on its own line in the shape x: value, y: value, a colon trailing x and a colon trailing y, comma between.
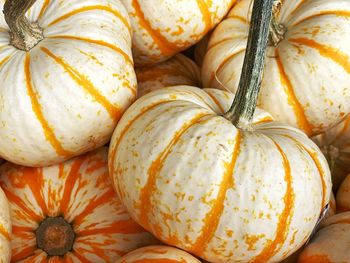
x: 242, y: 110
x: 55, y: 236
x: 277, y: 30
x: 24, y: 34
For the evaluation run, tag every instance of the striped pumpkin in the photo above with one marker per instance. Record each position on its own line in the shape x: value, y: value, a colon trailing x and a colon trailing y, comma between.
x: 343, y: 196
x: 223, y: 194
x: 307, y: 74
x: 164, y: 28
x: 75, y: 199
x: 335, y: 145
x: 179, y: 70
x: 65, y: 96
x: 158, y: 254
x: 331, y: 243
x: 5, y: 229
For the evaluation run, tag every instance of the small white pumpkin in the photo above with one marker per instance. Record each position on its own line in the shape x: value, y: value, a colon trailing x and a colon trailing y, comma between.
x: 65, y: 92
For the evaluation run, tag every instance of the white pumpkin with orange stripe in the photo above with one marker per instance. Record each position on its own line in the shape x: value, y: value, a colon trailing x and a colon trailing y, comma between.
x: 69, y: 213
x: 179, y: 70
x: 307, y: 69
x: 197, y: 182
x: 5, y: 229
x: 65, y: 95
x: 331, y: 243
x: 158, y: 254
x: 335, y: 145
x: 164, y: 28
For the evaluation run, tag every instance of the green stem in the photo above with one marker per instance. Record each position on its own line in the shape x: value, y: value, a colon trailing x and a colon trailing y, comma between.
x: 242, y: 110
x: 24, y: 34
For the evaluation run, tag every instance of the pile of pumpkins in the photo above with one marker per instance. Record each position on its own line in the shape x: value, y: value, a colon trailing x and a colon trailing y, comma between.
x: 118, y: 146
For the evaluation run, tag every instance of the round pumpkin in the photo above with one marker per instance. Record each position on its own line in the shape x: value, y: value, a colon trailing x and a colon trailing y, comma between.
x: 335, y: 145
x: 69, y: 212
x: 343, y: 196
x: 5, y: 229
x: 307, y: 69
x: 158, y: 254
x: 331, y: 243
x: 66, y: 93
x: 164, y: 28
x: 221, y: 193
x: 179, y: 70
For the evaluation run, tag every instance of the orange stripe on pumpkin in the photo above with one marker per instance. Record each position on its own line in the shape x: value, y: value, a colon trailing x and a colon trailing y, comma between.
x: 97, y: 42
x: 44, y: 8
x: 112, y: 155
x: 273, y: 246
x: 332, y: 53
x: 23, y: 254
x: 318, y: 164
x: 217, y: 102
x: 17, y: 201
x: 86, y: 84
x: 293, y: 101
x: 36, y: 107
x: 206, y: 15
x: 119, y: 227
x: 165, y: 46
x: 4, y: 232
x: 104, y: 199
x: 154, y: 170
x: 5, y: 60
x: 91, y: 8
x: 212, y: 218
x: 242, y: 19
x: 72, y: 178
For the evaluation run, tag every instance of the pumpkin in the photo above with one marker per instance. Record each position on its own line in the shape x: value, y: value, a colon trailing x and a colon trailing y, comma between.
x: 165, y: 28
x: 343, y: 196
x: 331, y: 243
x: 66, y: 93
x: 307, y: 70
x: 179, y: 70
x: 69, y: 212
x: 225, y: 187
x: 5, y: 229
x: 201, y: 49
x: 158, y: 254
x: 335, y: 145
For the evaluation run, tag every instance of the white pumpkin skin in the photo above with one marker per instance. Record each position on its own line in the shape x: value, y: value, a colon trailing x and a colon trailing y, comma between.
x: 198, y: 183
x: 65, y: 96
x: 331, y: 242
x: 5, y: 229
x: 165, y: 28
x: 335, y: 145
x: 158, y: 254
x: 307, y: 76
x: 179, y: 70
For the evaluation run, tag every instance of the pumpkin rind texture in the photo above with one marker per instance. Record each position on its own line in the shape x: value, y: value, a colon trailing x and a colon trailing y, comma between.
x: 331, y: 242
x: 343, y: 196
x: 198, y: 183
x: 165, y: 28
x: 158, y: 254
x: 65, y: 96
x: 307, y: 75
x: 5, y: 229
x: 81, y: 192
x: 335, y: 145
x: 179, y: 70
